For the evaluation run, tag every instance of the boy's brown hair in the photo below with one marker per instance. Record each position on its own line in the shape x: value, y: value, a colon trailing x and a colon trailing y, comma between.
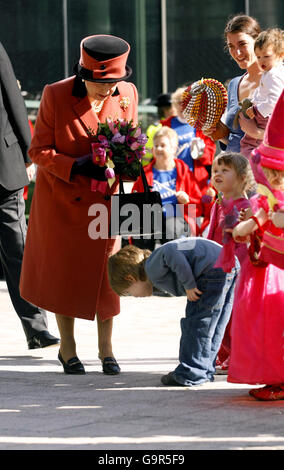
x: 129, y: 261
x: 241, y: 166
x: 273, y: 37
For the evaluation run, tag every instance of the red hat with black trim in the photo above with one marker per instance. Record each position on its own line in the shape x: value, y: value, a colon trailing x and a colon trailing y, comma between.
x: 103, y: 59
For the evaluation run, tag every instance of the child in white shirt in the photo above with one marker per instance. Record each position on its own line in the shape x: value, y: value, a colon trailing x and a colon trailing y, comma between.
x: 269, y: 50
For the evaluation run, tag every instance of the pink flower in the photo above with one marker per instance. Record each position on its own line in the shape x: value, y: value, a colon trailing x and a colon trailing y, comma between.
x: 109, y: 173
x: 137, y: 133
x: 134, y: 146
x: 103, y: 140
x: 99, y: 154
x: 123, y: 122
x: 112, y: 126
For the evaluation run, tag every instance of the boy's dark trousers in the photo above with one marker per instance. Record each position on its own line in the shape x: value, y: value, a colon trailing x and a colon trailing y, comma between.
x: 204, y: 325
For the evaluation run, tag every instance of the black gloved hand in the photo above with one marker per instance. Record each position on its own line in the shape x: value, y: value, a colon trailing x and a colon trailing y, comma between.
x: 90, y: 170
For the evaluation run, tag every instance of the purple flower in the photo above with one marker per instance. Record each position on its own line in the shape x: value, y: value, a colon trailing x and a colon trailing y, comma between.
x: 142, y: 139
x: 118, y: 139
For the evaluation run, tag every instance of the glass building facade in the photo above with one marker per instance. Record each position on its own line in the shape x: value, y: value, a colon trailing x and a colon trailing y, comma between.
x: 173, y: 42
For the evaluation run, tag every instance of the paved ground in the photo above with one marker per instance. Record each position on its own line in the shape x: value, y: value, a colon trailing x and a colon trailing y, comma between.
x: 41, y: 408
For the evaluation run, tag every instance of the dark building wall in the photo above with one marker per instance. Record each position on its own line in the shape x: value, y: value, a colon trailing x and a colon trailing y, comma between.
x: 33, y: 35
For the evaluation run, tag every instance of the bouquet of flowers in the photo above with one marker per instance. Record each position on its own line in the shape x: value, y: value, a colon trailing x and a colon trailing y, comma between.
x: 119, y: 145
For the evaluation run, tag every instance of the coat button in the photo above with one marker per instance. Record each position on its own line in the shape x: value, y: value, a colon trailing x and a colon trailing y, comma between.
x: 103, y: 74
x: 107, y: 197
x: 102, y: 67
x: 77, y: 199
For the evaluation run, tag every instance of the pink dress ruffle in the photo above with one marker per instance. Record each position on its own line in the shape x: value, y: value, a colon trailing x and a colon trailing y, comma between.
x: 257, y: 330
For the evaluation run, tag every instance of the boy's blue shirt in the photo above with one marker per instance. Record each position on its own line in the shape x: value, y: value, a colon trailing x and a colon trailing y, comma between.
x: 177, y: 265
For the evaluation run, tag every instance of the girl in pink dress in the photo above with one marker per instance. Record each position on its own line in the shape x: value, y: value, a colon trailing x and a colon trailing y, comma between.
x: 232, y: 178
x: 257, y: 346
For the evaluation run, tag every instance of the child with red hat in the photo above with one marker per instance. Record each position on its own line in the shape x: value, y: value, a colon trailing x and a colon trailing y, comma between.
x: 258, y: 320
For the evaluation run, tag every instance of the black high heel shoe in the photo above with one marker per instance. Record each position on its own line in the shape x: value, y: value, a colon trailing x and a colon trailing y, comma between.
x: 110, y: 366
x: 72, y: 366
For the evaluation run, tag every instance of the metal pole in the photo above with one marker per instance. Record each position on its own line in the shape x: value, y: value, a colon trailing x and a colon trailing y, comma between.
x: 65, y: 38
x: 164, y: 46
x: 247, y: 7
x: 140, y: 10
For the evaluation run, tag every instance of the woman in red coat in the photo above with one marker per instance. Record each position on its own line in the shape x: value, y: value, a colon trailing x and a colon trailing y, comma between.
x: 64, y: 268
x: 176, y: 184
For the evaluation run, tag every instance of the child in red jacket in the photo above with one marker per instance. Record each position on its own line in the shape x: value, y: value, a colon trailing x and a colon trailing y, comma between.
x: 181, y: 197
x: 199, y: 163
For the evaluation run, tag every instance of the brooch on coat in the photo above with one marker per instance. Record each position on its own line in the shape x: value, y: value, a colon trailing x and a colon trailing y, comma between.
x: 124, y: 102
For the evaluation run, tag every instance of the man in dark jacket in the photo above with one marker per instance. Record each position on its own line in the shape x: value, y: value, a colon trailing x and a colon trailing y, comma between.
x: 15, y: 166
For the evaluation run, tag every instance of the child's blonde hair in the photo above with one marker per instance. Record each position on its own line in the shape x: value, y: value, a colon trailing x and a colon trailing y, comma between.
x: 129, y: 261
x: 177, y: 95
x: 273, y: 37
x: 242, y: 167
x: 168, y: 132
x: 275, y: 177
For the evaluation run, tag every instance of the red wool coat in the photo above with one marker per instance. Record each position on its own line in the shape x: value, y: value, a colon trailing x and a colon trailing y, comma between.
x: 185, y: 182
x: 64, y: 270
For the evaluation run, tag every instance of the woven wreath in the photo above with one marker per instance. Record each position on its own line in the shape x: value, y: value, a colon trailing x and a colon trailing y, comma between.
x: 204, y: 102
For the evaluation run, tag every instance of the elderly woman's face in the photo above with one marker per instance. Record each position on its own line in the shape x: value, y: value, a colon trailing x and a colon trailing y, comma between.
x: 241, y: 48
x: 99, y: 91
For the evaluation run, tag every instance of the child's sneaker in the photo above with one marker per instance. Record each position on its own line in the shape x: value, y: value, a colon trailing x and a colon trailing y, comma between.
x: 268, y: 393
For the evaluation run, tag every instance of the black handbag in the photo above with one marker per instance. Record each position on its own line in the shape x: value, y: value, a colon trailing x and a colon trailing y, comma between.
x: 136, y: 214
